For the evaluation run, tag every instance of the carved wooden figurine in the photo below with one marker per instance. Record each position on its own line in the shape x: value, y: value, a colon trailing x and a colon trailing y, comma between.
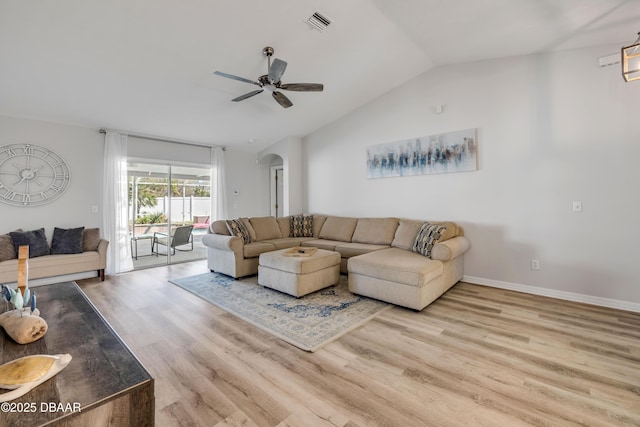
x: 23, y: 268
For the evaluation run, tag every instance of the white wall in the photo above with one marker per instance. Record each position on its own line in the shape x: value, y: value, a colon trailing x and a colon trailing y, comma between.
x: 552, y: 129
x: 247, y: 185
x: 290, y: 150
x: 82, y: 150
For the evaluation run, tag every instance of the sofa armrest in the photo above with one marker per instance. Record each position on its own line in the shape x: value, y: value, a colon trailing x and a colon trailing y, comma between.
x: 450, y: 249
x: 102, y: 251
x: 224, y: 243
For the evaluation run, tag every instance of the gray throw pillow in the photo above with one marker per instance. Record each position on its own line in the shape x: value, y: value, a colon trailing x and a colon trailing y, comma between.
x: 7, y: 250
x: 67, y: 241
x: 35, y: 239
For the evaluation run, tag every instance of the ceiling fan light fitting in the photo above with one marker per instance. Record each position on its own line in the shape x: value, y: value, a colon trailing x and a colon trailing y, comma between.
x: 630, y: 56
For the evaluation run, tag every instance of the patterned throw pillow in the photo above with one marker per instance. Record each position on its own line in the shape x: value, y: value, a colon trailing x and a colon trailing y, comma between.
x: 237, y: 228
x: 427, y: 237
x: 301, y: 226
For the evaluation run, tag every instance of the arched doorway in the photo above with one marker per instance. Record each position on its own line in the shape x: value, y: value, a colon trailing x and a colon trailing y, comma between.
x: 276, y: 188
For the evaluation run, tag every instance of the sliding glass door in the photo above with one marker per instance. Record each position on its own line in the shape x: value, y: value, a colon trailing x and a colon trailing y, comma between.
x: 169, y: 210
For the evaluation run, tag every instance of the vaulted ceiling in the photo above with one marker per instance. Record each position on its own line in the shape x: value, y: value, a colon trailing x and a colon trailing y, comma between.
x: 146, y: 66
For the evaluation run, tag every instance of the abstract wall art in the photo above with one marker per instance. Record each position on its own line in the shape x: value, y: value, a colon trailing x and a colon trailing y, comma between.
x: 448, y: 152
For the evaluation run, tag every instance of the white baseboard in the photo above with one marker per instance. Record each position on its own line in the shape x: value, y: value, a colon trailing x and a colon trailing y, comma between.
x: 552, y: 293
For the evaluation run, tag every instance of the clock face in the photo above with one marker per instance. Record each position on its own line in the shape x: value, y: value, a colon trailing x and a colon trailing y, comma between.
x: 31, y: 175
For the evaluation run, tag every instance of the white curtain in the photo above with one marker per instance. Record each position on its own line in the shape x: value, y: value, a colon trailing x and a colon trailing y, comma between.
x: 218, y: 192
x: 115, y: 223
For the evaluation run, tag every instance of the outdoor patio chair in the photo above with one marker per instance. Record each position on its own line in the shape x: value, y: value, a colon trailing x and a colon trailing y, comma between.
x: 180, y: 236
x: 201, y: 222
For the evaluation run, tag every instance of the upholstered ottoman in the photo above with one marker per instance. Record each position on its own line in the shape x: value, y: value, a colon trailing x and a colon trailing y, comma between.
x: 301, y: 275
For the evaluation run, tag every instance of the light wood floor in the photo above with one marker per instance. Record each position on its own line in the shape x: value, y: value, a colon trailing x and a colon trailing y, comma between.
x: 476, y: 357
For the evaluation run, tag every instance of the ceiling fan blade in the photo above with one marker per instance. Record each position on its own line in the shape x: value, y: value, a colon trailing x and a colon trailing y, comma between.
x: 282, y: 99
x: 248, y: 95
x: 231, y: 76
x: 303, y: 87
x: 276, y: 70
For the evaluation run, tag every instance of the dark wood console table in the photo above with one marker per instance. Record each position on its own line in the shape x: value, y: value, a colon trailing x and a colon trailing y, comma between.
x: 104, y: 379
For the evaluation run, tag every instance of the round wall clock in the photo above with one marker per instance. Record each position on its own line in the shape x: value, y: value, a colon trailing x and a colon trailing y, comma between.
x: 31, y: 175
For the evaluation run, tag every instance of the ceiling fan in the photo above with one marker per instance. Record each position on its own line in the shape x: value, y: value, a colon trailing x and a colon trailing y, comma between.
x: 271, y: 81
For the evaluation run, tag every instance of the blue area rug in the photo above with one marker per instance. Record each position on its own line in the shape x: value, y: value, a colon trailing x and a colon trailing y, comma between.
x: 308, y: 322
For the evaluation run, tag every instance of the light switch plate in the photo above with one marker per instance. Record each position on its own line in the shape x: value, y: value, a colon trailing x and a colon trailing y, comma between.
x: 577, y: 206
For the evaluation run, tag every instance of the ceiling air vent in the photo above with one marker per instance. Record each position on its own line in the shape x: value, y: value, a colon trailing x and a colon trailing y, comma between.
x: 319, y: 21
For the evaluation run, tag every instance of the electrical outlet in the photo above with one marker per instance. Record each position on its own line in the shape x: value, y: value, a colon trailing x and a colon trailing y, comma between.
x: 94, y: 208
x: 535, y: 264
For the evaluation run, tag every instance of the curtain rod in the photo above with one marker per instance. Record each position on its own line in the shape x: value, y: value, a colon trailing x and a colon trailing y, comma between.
x: 155, y: 138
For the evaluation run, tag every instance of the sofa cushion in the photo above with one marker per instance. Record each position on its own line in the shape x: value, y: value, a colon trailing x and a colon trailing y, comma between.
x: 284, y: 222
x: 427, y: 237
x: 375, y: 231
x: 53, y: 265
x: 265, y: 227
x: 220, y: 227
x: 406, y: 233
x: 35, y: 239
x: 254, y: 249
x: 338, y: 228
x: 67, y: 241
x: 396, y: 265
x: 347, y: 250
x: 301, y: 226
x: 237, y: 228
x: 325, y: 244
x: 318, y: 222
x: 90, y: 239
x: 7, y: 250
x: 286, y: 242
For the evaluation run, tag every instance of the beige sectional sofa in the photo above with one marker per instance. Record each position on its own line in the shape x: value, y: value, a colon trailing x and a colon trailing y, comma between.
x: 92, y: 258
x: 376, y: 253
